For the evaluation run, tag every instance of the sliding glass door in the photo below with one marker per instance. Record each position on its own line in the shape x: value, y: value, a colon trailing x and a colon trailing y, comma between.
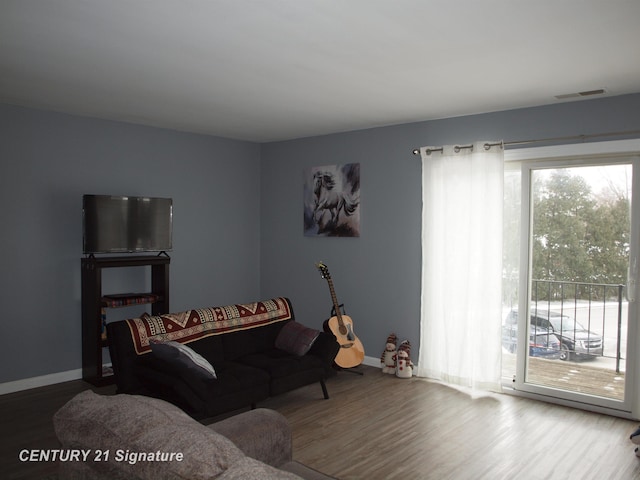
x: 571, y: 235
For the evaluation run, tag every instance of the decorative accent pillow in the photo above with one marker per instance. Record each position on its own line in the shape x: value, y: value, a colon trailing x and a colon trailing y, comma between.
x: 295, y: 338
x: 177, y: 353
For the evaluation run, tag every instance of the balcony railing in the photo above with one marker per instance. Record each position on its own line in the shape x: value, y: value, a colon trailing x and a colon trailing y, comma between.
x: 597, y: 307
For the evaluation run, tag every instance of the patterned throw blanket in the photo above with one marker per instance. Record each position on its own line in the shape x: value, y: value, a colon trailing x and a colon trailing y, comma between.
x: 185, y: 327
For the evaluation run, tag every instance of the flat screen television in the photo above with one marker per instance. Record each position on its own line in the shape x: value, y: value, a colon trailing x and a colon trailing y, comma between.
x: 119, y: 224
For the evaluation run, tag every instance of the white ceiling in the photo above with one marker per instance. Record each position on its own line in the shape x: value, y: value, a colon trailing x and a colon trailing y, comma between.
x: 266, y: 70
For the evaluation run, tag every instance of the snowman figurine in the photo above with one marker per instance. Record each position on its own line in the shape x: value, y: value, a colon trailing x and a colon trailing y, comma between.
x: 388, y: 357
x: 404, y: 366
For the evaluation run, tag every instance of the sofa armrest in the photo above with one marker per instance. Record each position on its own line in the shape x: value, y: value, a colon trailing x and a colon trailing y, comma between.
x: 261, y: 434
x: 159, y: 380
x: 326, y: 347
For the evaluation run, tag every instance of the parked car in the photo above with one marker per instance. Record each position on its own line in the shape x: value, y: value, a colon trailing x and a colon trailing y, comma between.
x: 576, y: 341
x: 542, y: 342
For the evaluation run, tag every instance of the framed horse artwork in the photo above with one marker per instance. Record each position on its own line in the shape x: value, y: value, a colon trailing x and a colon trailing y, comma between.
x: 332, y: 201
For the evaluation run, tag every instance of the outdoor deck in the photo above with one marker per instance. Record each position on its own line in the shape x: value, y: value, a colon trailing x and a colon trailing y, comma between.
x: 586, y: 377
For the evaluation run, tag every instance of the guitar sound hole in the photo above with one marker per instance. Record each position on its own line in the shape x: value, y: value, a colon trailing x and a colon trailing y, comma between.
x: 350, y: 335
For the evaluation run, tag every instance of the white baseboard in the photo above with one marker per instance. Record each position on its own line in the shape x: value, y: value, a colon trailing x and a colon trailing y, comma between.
x: 371, y: 361
x: 41, y: 381
x: 375, y: 362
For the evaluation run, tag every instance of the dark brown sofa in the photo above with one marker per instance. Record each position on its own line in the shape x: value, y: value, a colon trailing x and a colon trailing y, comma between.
x: 257, y: 350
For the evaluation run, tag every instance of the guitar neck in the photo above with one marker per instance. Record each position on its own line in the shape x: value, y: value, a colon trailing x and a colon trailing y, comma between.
x: 334, y: 299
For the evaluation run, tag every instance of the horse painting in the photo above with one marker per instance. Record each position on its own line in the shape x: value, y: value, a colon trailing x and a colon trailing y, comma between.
x: 332, y: 201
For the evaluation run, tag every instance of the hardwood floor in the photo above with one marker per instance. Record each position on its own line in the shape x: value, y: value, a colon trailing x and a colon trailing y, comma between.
x: 380, y: 426
x: 377, y: 426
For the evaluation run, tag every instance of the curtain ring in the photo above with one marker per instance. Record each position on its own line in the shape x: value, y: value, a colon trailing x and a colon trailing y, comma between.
x: 487, y: 145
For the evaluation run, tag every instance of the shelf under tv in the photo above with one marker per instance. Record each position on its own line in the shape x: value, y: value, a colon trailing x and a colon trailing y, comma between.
x: 95, y: 303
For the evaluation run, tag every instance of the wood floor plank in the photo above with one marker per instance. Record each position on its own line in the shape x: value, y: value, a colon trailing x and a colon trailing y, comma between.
x: 380, y: 426
x: 377, y: 426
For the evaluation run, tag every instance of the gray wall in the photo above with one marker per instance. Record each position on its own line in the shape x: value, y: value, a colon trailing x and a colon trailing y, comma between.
x: 48, y: 160
x: 377, y: 276
x: 238, y: 218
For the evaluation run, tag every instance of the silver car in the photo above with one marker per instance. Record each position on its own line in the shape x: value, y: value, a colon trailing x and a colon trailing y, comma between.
x: 575, y: 340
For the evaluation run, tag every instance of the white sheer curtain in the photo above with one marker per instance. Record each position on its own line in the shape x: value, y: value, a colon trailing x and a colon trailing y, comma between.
x: 460, y: 332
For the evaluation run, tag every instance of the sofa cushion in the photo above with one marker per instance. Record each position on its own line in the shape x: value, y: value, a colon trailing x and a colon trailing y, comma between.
x: 296, y: 338
x: 236, y: 385
x: 140, y: 424
x: 262, y: 434
x: 287, y: 372
x: 249, y: 469
x: 278, y: 363
x: 158, y: 382
x: 233, y: 376
x: 238, y: 344
x: 305, y: 472
x: 184, y: 358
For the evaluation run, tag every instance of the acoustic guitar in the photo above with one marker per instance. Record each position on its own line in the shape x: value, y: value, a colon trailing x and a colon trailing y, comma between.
x: 351, y: 353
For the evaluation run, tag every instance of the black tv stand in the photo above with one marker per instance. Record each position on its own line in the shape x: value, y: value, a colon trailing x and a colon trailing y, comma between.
x: 94, y: 303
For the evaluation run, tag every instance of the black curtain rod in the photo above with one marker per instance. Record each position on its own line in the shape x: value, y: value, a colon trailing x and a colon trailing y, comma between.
x: 457, y: 148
